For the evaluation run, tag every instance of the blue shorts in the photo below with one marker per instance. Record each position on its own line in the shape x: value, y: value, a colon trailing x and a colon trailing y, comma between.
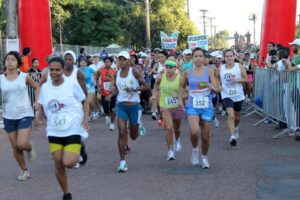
x: 206, y: 114
x: 12, y: 125
x: 132, y: 113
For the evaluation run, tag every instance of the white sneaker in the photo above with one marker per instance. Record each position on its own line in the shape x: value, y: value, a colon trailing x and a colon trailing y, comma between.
x: 154, y: 116
x: 142, y: 130
x: 171, y: 155
x: 205, y: 164
x: 32, y: 154
x: 112, y: 126
x: 216, y: 122
x: 24, y: 175
x: 123, y: 166
x: 177, y: 145
x: 236, y: 133
x: 76, y: 166
x: 107, y: 122
x: 195, y: 157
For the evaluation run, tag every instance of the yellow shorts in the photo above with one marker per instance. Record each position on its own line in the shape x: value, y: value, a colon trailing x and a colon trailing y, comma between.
x: 70, y: 144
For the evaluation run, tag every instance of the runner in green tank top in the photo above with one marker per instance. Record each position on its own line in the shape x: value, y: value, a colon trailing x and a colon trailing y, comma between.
x: 169, y: 83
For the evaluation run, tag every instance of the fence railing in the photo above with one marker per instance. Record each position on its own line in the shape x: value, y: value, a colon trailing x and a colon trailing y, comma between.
x: 280, y: 92
x: 88, y: 49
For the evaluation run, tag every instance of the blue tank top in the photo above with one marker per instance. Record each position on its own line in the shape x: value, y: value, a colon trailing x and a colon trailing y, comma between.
x: 200, y: 95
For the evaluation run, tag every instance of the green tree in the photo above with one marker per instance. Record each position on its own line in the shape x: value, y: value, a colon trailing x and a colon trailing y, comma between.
x: 219, y: 40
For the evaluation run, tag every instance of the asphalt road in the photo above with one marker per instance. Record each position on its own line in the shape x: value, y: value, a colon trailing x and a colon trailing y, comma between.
x: 258, y: 168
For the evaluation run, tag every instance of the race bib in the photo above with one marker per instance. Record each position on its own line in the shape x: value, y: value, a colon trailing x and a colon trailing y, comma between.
x: 171, y: 101
x: 232, y: 92
x: 61, y: 121
x: 201, y: 102
x: 106, y: 85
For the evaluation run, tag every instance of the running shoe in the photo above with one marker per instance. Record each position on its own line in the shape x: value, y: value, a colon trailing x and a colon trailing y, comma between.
x: 24, y: 175
x: 236, y: 133
x: 32, y: 154
x: 195, y: 157
x: 83, y: 155
x: 216, y: 122
x: 205, y: 164
x: 112, y: 127
x: 107, y: 122
x: 76, y: 166
x: 171, y: 155
x: 177, y: 145
x: 123, y: 166
x: 154, y: 116
x: 233, y: 141
x: 142, y: 130
x: 67, y: 196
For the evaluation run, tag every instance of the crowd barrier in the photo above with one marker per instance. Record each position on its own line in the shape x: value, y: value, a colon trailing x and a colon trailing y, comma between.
x: 280, y: 95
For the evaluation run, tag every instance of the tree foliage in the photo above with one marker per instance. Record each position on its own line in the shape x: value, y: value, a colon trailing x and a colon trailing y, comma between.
x: 101, y: 22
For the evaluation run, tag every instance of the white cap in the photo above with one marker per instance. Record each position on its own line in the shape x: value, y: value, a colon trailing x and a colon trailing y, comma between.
x: 72, y: 53
x: 124, y: 54
x: 295, y: 42
x: 187, y: 51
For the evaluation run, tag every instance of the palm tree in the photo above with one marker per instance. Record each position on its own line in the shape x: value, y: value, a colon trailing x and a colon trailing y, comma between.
x: 253, y: 17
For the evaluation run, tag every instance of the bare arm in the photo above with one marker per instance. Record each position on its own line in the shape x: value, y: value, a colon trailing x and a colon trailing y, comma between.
x: 244, y: 78
x: 156, y: 87
x: 142, y: 82
x: 214, y: 84
x: 80, y: 78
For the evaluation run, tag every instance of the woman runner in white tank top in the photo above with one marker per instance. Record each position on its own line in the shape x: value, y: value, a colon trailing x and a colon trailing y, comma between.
x: 232, y: 76
x: 17, y: 110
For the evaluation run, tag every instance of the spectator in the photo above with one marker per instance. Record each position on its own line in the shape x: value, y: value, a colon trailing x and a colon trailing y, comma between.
x: 25, y: 60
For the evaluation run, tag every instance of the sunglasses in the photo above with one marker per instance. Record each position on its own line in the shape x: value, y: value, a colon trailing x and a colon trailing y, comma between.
x: 169, y: 67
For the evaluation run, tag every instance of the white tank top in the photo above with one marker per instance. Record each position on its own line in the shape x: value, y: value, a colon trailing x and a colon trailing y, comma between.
x: 231, y: 90
x: 73, y: 75
x: 129, y: 82
x: 15, y: 98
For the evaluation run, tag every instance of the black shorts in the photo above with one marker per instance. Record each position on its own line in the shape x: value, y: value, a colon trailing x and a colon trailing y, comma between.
x: 108, y: 106
x: 237, y: 106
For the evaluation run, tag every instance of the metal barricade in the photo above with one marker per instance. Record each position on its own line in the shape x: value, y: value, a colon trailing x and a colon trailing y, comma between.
x: 36, y: 77
x: 280, y: 92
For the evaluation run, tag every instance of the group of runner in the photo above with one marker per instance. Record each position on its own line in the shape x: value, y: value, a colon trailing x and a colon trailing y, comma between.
x: 63, y: 99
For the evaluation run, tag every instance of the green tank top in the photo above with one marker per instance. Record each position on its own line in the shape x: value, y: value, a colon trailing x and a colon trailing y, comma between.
x: 186, y: 66
x: 167, y: 89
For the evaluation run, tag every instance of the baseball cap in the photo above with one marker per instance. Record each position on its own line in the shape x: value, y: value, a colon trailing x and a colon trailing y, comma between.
x: 96, y: 55
x: 171, y: 63
x: 187, y: 51
x: 295, y: 42
x: 103, y: 54
x: 124, y: 54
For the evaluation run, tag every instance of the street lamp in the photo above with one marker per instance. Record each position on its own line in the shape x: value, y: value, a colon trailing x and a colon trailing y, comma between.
x: 253, y: 18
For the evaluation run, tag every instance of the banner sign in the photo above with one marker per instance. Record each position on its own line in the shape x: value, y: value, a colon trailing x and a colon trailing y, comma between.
x: 169, y: 42
x: 198, y: 41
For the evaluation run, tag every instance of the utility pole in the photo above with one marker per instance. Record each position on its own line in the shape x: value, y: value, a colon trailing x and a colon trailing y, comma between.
x: 188, y: 8
x: 11, y: 18
x: 253, y: 18
x: 211, y: 29
x: 204, y: 17
x: 148, y: 34
x: 60, y: 34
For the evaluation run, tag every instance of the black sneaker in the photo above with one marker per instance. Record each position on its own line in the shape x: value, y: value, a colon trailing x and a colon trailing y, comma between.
x: 83, y: 155
x: 233, y: 142
x: 67, y: 196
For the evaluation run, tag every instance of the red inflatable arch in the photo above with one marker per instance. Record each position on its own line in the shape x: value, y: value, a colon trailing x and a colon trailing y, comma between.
x: 278, y: 24
x: 35, y: 28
